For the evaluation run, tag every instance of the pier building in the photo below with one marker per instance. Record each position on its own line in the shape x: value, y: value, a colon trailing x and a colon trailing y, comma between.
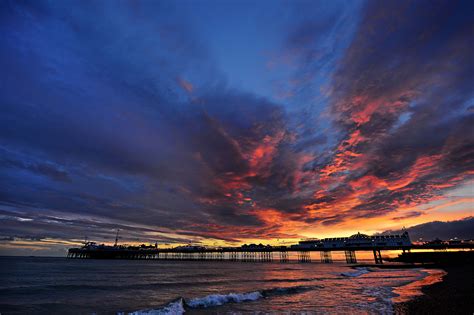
x: 267, y: 253
x: 357, y: 240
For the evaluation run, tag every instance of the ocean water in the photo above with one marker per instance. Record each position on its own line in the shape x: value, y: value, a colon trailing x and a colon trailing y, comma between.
x: 33, y: 285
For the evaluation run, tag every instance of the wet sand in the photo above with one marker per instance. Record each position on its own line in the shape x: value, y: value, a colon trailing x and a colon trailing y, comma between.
x: 454, y: 295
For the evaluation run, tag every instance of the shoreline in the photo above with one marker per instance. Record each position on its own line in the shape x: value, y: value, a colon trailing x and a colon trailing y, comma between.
x: 453, y: 295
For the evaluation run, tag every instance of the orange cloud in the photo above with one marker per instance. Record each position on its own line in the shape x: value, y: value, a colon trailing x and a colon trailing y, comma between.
x: 185, y: 85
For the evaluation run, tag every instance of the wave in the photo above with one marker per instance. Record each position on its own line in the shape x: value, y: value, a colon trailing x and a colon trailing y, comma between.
x: 175, y: 307
x: 359, y: 271
x: 289, y: 290
x: 220, y: 299
x: 179, y: 306
x: 140, y: 286
x: 290, y: 280
x: 106, y: 287
x: 383, y: 300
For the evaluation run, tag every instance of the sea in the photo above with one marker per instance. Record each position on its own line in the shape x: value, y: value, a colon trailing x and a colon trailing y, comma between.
x: 44, y: 285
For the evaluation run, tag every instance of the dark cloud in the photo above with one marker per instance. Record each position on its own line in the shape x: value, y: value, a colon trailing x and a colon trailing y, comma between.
x: 412, y: 214
x: 110, y: 120
x: 399, y: 97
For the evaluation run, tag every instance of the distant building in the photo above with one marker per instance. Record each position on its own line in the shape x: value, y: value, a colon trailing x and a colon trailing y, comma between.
x: 190, y: 248
x: 357, y: 240
x: 454, y: 241
x: 255, y: 246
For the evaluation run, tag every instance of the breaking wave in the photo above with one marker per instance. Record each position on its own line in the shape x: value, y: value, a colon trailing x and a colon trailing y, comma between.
x: 359, y: 271
x: 175, y: 307
x: 180, y: 305
x: 382, y: 303
x: 220, y: 299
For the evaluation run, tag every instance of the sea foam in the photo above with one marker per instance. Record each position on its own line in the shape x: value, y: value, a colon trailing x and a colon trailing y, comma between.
x: 383, y: 300
x: 356, y: 273
x: 180, y: 305
x: 175, y: 307
x: 220, y: 299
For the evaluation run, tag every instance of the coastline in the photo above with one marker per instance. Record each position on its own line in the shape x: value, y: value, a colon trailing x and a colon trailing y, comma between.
x: 453, y: 295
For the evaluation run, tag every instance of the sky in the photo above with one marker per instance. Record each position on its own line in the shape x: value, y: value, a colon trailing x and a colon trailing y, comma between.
x: 225, y: 122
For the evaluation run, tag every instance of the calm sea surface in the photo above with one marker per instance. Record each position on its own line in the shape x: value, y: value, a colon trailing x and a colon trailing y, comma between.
x: 66, y: 286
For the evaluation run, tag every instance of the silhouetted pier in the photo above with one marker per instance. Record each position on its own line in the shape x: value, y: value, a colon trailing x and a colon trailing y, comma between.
x: 249, y: 253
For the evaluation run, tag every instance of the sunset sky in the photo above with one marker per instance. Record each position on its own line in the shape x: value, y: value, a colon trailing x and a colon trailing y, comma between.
x: 222, y: 122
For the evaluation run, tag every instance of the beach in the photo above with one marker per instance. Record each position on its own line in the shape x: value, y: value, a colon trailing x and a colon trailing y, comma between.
x: 453, y: 295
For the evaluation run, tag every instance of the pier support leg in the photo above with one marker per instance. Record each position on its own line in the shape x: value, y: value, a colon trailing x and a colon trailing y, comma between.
x: 264, y: 256
x: 284, y: 256
x: 350, y: 257
x: 304, y: 256
x: 378, y: 256
x: 234, y: 256
x: 326, y: 257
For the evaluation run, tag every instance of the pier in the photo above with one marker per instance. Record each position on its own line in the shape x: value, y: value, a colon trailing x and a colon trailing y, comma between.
x: 249, y: 254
